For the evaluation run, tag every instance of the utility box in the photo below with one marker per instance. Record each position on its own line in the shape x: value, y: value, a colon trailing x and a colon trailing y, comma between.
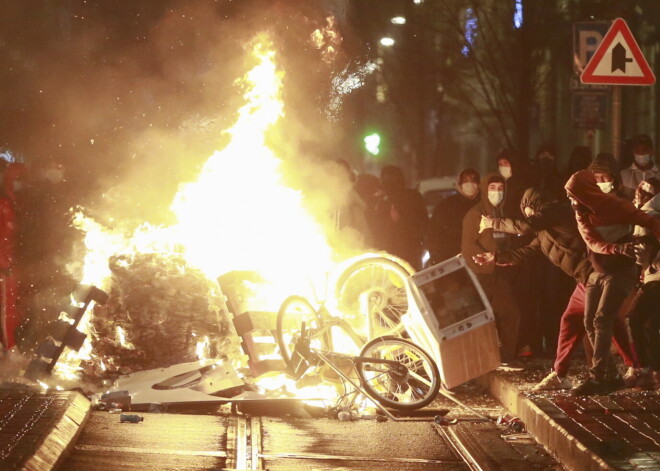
x: 450, y: 317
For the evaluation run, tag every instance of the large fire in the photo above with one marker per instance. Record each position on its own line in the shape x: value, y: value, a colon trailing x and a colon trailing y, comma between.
x: 237, y: 215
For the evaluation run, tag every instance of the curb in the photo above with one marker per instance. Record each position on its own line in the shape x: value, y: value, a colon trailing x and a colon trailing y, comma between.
x: 58, y: 442
x: 542, y: 424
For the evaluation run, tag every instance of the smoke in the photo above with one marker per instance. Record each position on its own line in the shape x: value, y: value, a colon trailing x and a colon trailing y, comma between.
x: 130, y: 100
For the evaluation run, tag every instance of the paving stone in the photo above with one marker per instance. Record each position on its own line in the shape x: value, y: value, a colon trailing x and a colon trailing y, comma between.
x: 620, y: 431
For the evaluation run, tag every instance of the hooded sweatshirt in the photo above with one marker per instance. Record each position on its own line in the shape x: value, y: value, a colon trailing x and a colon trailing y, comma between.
x: 443, y: 237
x: 633, y: 176
x: 473, y: 242
x: 516, y: 184
x: 608, y: 221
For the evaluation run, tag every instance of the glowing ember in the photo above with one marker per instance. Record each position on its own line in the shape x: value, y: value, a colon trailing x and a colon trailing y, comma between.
x: 121, y: 338
x: 202, y: 348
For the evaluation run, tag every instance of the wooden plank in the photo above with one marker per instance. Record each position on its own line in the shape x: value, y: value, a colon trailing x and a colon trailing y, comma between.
x: 469, y: 355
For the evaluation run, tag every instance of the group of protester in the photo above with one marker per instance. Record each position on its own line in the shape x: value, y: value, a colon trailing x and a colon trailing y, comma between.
x: 520, y: 228
x: 566, y: 258
x: 590, y: 231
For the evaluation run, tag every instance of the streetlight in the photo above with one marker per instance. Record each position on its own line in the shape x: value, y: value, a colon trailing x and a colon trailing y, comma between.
x: 387, y: 42
x: 398, y: 20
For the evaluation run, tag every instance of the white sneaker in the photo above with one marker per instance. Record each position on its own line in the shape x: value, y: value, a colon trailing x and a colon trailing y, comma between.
x: 632, y: 376
x: 553, y: 382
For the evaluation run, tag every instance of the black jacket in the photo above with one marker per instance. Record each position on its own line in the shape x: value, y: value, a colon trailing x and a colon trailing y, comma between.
x: 557, y: 236
x: 443, y: 237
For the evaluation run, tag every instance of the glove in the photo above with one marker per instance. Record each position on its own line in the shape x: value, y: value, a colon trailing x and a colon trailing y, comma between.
x: 485, y: 223
x: 627, y: 249
x: 485, y: 258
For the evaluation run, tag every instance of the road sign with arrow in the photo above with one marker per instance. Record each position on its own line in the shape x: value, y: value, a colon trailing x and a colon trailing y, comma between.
x: 618, y: 60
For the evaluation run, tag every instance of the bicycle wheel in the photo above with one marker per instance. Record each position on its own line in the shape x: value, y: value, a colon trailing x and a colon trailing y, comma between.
x: 373, y: 290
x: 293, y: 312
x: 408, y: 388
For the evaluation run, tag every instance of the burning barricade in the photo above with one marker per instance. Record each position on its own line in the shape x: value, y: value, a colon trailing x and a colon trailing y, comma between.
x: 170, y: 333
x: 160, y: 312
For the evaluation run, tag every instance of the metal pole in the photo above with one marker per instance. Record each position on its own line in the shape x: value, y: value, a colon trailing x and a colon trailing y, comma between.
x: 591, y: 141
x: 616, y: 121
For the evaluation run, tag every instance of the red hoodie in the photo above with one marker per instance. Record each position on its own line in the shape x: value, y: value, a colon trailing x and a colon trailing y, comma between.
x: 604, y: 210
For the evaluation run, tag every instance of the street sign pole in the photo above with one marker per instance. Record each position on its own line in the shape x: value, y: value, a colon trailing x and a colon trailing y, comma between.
x: 616, y: 121
x: 589, y: 103
x: 618, y: 61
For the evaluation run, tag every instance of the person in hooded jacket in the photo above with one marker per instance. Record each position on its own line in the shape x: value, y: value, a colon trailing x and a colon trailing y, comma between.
x: 350, y: 223
x: 644, y: 314
x: 545, y: 165
x: 605, y: 223
x: 524, y: 279
x: 9, y: 315
x: 370, y: 190
x: 557, y: 238
x: 643, y: 166
x: 493, y: 279
x: 518, y: 178
x: 605, y: 168
x: 443, y: 237
x: 404, y: 217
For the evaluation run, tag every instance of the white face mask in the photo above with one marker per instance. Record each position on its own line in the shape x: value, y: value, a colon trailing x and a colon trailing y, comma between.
x: 606, y: 187
x: 505, y: 171
x: 469, y: 188
x: 642, y: 159
x: 495, y: 197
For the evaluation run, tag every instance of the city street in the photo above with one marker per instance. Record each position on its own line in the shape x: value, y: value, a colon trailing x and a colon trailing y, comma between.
x: 194, y: 442
x: 329, y: 235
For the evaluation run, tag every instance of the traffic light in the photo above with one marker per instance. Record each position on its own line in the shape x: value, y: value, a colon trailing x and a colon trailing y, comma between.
x: 372, y: 143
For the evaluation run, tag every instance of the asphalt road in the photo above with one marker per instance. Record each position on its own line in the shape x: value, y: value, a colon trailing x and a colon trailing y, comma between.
x: 210, y: 442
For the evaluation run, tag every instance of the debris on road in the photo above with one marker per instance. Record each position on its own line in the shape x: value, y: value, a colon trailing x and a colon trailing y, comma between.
x: 131, y: 418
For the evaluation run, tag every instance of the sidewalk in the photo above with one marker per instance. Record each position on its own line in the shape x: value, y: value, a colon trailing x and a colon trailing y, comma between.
x: 38, y: 428
x: 620, y: 431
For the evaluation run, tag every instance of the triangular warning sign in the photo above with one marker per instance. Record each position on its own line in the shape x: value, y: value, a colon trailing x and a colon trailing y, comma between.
x: 618, y: 60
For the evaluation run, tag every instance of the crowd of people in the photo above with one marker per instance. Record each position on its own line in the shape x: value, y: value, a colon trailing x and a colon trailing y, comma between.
x: 540, y: 233
x: 567, y: 258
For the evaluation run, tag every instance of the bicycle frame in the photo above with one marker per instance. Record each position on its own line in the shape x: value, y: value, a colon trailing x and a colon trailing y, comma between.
x: 304, y: 356
x: 328, y: 321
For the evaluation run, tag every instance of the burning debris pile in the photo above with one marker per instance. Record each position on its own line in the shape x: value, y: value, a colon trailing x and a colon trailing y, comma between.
x: 160, y: 312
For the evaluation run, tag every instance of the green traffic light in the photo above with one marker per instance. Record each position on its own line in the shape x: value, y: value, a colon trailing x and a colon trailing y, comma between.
x: 372, y: 143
